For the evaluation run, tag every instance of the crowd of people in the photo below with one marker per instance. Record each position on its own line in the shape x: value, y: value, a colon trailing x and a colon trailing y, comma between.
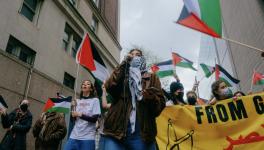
x: 127, y: 121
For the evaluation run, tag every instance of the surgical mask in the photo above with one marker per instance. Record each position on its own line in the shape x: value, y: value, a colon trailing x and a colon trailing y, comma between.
x: 191, y: 100
x: 24, y: 107
x: 227, y: 93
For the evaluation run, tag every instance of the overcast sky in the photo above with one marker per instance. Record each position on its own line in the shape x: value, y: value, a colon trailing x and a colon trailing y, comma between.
x: 150, y: 24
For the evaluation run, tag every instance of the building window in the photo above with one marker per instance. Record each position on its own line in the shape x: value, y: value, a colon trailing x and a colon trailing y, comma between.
x: 20, y: 50
x: 94, y: 24
x: 75, y: 45
x: 96, y: 2
x: 29, y: 9
x: 68, y: 80
x: 71, y: 40
x: 66, y: 39
x: 73, y: 2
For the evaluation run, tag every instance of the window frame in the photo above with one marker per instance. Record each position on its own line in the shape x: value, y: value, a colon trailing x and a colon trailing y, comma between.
x: 20, y: 50
x: 28, y: 7
x: 94, y: 24
x: 67, y: 80
x: 74, y: 37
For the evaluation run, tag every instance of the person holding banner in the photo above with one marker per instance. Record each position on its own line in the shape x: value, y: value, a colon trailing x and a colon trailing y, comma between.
x: 176, y: 94
x: 49, y: 130
x: 137, y: 101
x: 192, y: 98
x: 220, y: 91
x: 239, y: 94
x: 17, y: 124
x: 85, y: 114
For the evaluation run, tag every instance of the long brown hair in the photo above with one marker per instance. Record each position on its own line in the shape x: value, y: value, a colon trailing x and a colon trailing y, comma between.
x: 135, y: 49
x: 93, y: 93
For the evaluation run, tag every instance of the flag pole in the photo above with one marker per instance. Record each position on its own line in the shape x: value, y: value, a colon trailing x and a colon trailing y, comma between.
x: 76, y: 83
x: 202, y: 78
x: 215, y: 71
x: 174, y: 70
x: 251, y: 87
x: 77, y: 71
x: 197, y: 88
x: 246, y: 45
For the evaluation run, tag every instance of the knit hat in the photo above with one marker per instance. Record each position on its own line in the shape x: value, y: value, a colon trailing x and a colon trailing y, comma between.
x: 175, y: 86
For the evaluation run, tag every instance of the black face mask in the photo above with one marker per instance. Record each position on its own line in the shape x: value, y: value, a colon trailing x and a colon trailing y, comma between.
x: 179, y: 97
x: 191, y: 100
x: 24, y: 107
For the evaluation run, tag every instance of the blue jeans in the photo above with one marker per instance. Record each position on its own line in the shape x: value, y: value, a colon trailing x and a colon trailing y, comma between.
x: 131, y: 142
x: 73, y: 144
x: 101, y: 142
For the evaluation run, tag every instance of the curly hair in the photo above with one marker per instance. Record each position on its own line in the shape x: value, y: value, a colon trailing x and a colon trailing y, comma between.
x: 215, y: 87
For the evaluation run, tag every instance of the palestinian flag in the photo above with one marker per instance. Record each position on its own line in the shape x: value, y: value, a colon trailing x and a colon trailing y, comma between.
x: 202, y: 15
x: 258, y: 78
x: 182, y: 62
x: 163, y: 69
x: 101, y: 73
x: 208, y: 70
x: 89, y: 57
x: 85, y: 55
x: 62, y: 105
x: 222, y: 74
x: 2, y: 103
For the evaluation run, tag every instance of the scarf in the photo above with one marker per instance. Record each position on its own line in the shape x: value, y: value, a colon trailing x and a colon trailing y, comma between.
x: 137, y: 67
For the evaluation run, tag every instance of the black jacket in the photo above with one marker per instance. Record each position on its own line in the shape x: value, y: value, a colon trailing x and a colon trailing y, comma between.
x: 15, y: 139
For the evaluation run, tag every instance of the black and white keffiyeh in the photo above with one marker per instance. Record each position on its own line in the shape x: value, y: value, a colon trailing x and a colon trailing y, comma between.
x: 137, y: 67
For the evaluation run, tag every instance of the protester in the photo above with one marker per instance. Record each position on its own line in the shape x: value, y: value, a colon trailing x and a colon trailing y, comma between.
x: 176, y: 94
x: 49, y: 130
x: 239, y: 94
x: 85, y: 113
x: 220, y: 91
x: 137, y: 101
x: 17, y: 124
x: 192, y: 98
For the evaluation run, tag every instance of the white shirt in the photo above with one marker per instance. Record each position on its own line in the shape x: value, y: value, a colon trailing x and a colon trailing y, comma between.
x: 84, y: 130
x: 169, y: 103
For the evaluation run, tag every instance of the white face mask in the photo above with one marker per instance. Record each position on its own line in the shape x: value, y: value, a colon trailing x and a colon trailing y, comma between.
x: 227, y: 93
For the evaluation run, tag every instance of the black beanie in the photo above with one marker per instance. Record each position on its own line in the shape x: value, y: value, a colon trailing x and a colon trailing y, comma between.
x: 175, y: 86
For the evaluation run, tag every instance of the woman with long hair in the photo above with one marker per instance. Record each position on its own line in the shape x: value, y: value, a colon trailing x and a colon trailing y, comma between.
x: 85, y: 113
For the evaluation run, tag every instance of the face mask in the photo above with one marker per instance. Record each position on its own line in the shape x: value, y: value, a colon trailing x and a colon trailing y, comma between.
x: 227, y: 93
x: 180, y: 95
x: 191, y: 100
x: 24, y: 107
x: 138, y: 62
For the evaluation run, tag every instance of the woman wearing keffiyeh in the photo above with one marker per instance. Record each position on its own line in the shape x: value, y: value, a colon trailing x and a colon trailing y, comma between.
x: 137, y: 101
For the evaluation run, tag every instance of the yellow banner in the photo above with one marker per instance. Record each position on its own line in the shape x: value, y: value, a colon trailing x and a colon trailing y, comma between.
x: 227, y: 125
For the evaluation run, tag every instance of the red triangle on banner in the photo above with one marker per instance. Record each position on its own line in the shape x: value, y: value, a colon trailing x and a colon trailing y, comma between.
x: 49, y: 104
x: 85, y: 54
x: 176, y: 58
